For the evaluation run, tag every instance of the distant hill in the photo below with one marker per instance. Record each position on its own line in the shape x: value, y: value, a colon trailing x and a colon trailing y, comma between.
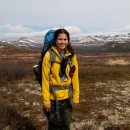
x: 115, y: 47
x: 108, y: 47
x: 110, y: 43
x: 23, y: 42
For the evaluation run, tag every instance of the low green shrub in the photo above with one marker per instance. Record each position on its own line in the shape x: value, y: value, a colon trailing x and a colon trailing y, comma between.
x: 92, y: 74
x: 14, y: 71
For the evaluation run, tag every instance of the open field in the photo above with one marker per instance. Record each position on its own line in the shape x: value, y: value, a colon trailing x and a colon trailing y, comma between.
x: 104, y: 85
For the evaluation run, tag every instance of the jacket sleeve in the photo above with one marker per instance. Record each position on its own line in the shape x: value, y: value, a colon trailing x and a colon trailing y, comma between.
x: 75, y: 81
x: 45, y: 79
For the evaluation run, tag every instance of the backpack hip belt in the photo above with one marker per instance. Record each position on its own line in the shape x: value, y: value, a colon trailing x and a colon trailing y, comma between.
x: 54, y: 88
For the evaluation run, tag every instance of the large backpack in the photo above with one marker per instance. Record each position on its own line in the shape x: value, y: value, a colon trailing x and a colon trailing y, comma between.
x: 48, y: 43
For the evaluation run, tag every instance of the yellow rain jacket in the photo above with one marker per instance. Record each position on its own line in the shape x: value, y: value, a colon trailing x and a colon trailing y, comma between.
x: 53, y: 79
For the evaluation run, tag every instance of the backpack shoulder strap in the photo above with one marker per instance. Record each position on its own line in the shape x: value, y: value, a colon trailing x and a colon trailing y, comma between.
x: 52, y: 57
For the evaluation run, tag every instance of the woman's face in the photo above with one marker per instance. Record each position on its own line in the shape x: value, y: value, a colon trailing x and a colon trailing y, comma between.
x: 61, y: 42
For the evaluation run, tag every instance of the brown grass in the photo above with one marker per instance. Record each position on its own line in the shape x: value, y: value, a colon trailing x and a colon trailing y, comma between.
x: 104, y: 100
x: 119, y: 61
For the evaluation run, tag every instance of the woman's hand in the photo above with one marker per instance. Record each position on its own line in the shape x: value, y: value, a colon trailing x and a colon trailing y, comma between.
x: 47, y: 108
x: 74, y: 105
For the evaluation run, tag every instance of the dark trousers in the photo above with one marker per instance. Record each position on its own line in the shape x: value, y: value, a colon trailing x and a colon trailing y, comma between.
x: 65, y: 110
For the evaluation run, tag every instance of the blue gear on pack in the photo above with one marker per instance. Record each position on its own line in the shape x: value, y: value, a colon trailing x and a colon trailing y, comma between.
x: 48, y: 43
x: 49, y: 40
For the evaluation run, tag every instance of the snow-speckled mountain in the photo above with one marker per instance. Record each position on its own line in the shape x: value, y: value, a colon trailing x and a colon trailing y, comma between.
x: 87, y: 41
x: 26, y: 42
x: 23, y: 42
x: 100, y: 40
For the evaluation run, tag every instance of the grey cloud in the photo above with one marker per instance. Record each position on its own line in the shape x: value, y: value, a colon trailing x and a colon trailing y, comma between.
x: 74, y: 31
x: 15, y: 29
x: 33, y: 34
x: 92, y: 14
x: 16, y: 36
x: 125, y: 29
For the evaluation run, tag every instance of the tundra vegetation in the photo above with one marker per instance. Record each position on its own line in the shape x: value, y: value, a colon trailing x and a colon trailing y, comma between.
x: 104, y: 86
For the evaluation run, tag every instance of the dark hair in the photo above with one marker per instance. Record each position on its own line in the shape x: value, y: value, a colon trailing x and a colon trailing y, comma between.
x: 69, y: 47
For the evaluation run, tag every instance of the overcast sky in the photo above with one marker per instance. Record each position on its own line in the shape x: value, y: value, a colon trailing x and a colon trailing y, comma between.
x: 32, y: 18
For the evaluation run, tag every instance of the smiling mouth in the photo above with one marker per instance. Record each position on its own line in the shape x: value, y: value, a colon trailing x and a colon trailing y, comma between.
x: 62, y: 45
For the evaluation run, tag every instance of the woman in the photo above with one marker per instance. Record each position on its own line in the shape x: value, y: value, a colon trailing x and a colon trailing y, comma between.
x: 58, y: 77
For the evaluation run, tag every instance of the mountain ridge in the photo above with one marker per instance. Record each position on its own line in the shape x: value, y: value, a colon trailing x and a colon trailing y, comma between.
x: 87, y: 42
